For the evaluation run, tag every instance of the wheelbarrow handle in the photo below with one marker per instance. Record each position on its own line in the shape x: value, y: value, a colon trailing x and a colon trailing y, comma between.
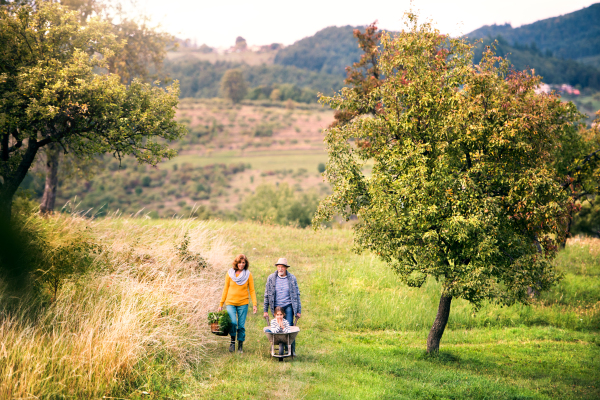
x: 267, y: 319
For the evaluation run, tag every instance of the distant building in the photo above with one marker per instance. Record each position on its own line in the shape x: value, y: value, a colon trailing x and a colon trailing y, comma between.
x: 564, y: 88
x: 543, y: 88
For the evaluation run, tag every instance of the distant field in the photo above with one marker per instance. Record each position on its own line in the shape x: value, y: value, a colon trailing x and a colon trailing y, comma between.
x: 587, y: 104
x: 261, y: 161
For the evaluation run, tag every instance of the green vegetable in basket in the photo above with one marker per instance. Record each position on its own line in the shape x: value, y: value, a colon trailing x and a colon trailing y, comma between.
x: 222, y: 317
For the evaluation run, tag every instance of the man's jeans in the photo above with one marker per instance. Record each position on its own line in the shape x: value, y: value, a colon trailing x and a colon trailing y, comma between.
x: 238, y: 321
x: 289, y: 316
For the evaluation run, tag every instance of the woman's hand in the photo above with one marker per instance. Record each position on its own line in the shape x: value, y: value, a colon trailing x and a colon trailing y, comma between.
x: 253, y: 309
x: 219, y: 309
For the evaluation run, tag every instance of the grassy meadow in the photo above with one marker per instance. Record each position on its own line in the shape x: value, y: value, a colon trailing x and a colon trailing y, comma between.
x: 134, y: 326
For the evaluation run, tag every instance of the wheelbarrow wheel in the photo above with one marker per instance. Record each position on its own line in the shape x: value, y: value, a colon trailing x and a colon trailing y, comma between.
x: 281, y: 351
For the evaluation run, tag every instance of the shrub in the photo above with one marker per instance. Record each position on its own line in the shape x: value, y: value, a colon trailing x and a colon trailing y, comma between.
x: 280, y: 206
x: 263, y: 130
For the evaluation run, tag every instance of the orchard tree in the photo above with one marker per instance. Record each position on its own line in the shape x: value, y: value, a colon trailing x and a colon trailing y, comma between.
x: 462, y: 188
x: 51, y: 95
x: 143, y: 49
x: 233, y: 86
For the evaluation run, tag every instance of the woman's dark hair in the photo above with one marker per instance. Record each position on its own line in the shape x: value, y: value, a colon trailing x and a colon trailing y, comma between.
x: 277, y: 309
x: 239, y: 259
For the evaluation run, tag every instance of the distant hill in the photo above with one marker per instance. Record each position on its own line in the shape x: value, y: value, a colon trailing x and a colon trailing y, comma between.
x: 330, y: 51
x: 552, y: 70
x: 553, y: 47
x: 574, y: 36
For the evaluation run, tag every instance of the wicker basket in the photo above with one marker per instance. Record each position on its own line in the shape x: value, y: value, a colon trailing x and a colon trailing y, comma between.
x: 214, y: 328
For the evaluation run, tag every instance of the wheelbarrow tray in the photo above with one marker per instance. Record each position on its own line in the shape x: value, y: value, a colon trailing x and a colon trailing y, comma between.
x: 281, y: 339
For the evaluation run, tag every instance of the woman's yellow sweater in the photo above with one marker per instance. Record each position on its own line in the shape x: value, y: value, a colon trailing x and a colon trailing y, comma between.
x: 237, y: 295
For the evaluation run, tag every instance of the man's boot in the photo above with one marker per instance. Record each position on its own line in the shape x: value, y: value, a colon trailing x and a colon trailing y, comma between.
x: 240, y: 347
x: 232, y: 345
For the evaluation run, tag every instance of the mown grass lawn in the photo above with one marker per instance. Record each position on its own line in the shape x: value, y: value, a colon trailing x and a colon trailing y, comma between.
x: 363, y: 333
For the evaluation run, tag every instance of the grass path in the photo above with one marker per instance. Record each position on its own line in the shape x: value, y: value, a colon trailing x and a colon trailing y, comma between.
x: 363, y: 335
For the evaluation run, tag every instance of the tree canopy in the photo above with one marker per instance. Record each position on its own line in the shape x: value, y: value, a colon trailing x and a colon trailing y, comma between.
x: 463, y: 187
x: 52, y: 94
x: 233, y: 86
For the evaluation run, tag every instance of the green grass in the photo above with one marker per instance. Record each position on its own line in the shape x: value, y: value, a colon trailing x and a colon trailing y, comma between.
x: 363, y: 334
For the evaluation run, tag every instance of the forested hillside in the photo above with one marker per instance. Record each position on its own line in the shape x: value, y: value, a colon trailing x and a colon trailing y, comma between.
x: 570, y: 36
x: 330, y: 51
x: 552, y: 70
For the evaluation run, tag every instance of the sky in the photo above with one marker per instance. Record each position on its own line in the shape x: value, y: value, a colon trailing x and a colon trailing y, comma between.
x: 218, y: 23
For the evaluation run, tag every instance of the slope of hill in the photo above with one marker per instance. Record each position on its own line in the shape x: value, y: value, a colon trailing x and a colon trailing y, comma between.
x: 330, y: 50
x: 573, y: 36
x: 228, y: 152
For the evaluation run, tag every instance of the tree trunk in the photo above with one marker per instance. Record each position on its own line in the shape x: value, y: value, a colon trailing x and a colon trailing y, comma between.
x: 563, y: 242
x: 12, y: 178
x: 5, y: 210
x: 437, y: 330
x: 52, y: 162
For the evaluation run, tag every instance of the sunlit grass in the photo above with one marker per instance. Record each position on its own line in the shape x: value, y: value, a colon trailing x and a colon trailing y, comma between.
x: 138, y: 315
x: 139, y: 326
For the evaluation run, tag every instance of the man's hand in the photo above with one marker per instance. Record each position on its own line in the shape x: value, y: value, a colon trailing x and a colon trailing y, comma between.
x: 253, y: 309
x: 298, y: 315
x: 265, y: 315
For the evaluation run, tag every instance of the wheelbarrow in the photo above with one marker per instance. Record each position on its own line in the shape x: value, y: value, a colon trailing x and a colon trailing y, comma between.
x: 281, y: 340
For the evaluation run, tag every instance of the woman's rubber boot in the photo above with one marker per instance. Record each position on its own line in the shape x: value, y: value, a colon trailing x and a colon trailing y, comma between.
x: 240, y: 347
x: 232, y: 345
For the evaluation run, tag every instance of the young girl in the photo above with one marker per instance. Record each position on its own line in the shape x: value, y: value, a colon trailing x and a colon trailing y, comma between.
x: 238, y: 283
x: 279, y: 323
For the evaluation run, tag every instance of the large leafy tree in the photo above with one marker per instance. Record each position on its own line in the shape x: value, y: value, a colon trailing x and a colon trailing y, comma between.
x: 52, y: 95
x: 143, y: 50
x: 463, y: 187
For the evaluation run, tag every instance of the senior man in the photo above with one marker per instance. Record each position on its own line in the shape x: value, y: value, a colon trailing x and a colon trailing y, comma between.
x: 282, y: 291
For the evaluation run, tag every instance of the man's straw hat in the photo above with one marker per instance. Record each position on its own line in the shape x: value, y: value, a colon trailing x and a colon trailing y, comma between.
x: 282, y: 261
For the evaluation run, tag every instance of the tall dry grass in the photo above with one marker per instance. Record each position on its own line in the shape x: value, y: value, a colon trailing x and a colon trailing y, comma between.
x: 106, y: 329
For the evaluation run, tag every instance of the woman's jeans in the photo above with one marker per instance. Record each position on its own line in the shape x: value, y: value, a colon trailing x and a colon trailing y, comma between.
x: 238, y: 321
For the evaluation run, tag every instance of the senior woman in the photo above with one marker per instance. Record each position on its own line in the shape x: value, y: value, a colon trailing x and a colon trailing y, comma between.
x: 238, y: 283
x: 282, y: 291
